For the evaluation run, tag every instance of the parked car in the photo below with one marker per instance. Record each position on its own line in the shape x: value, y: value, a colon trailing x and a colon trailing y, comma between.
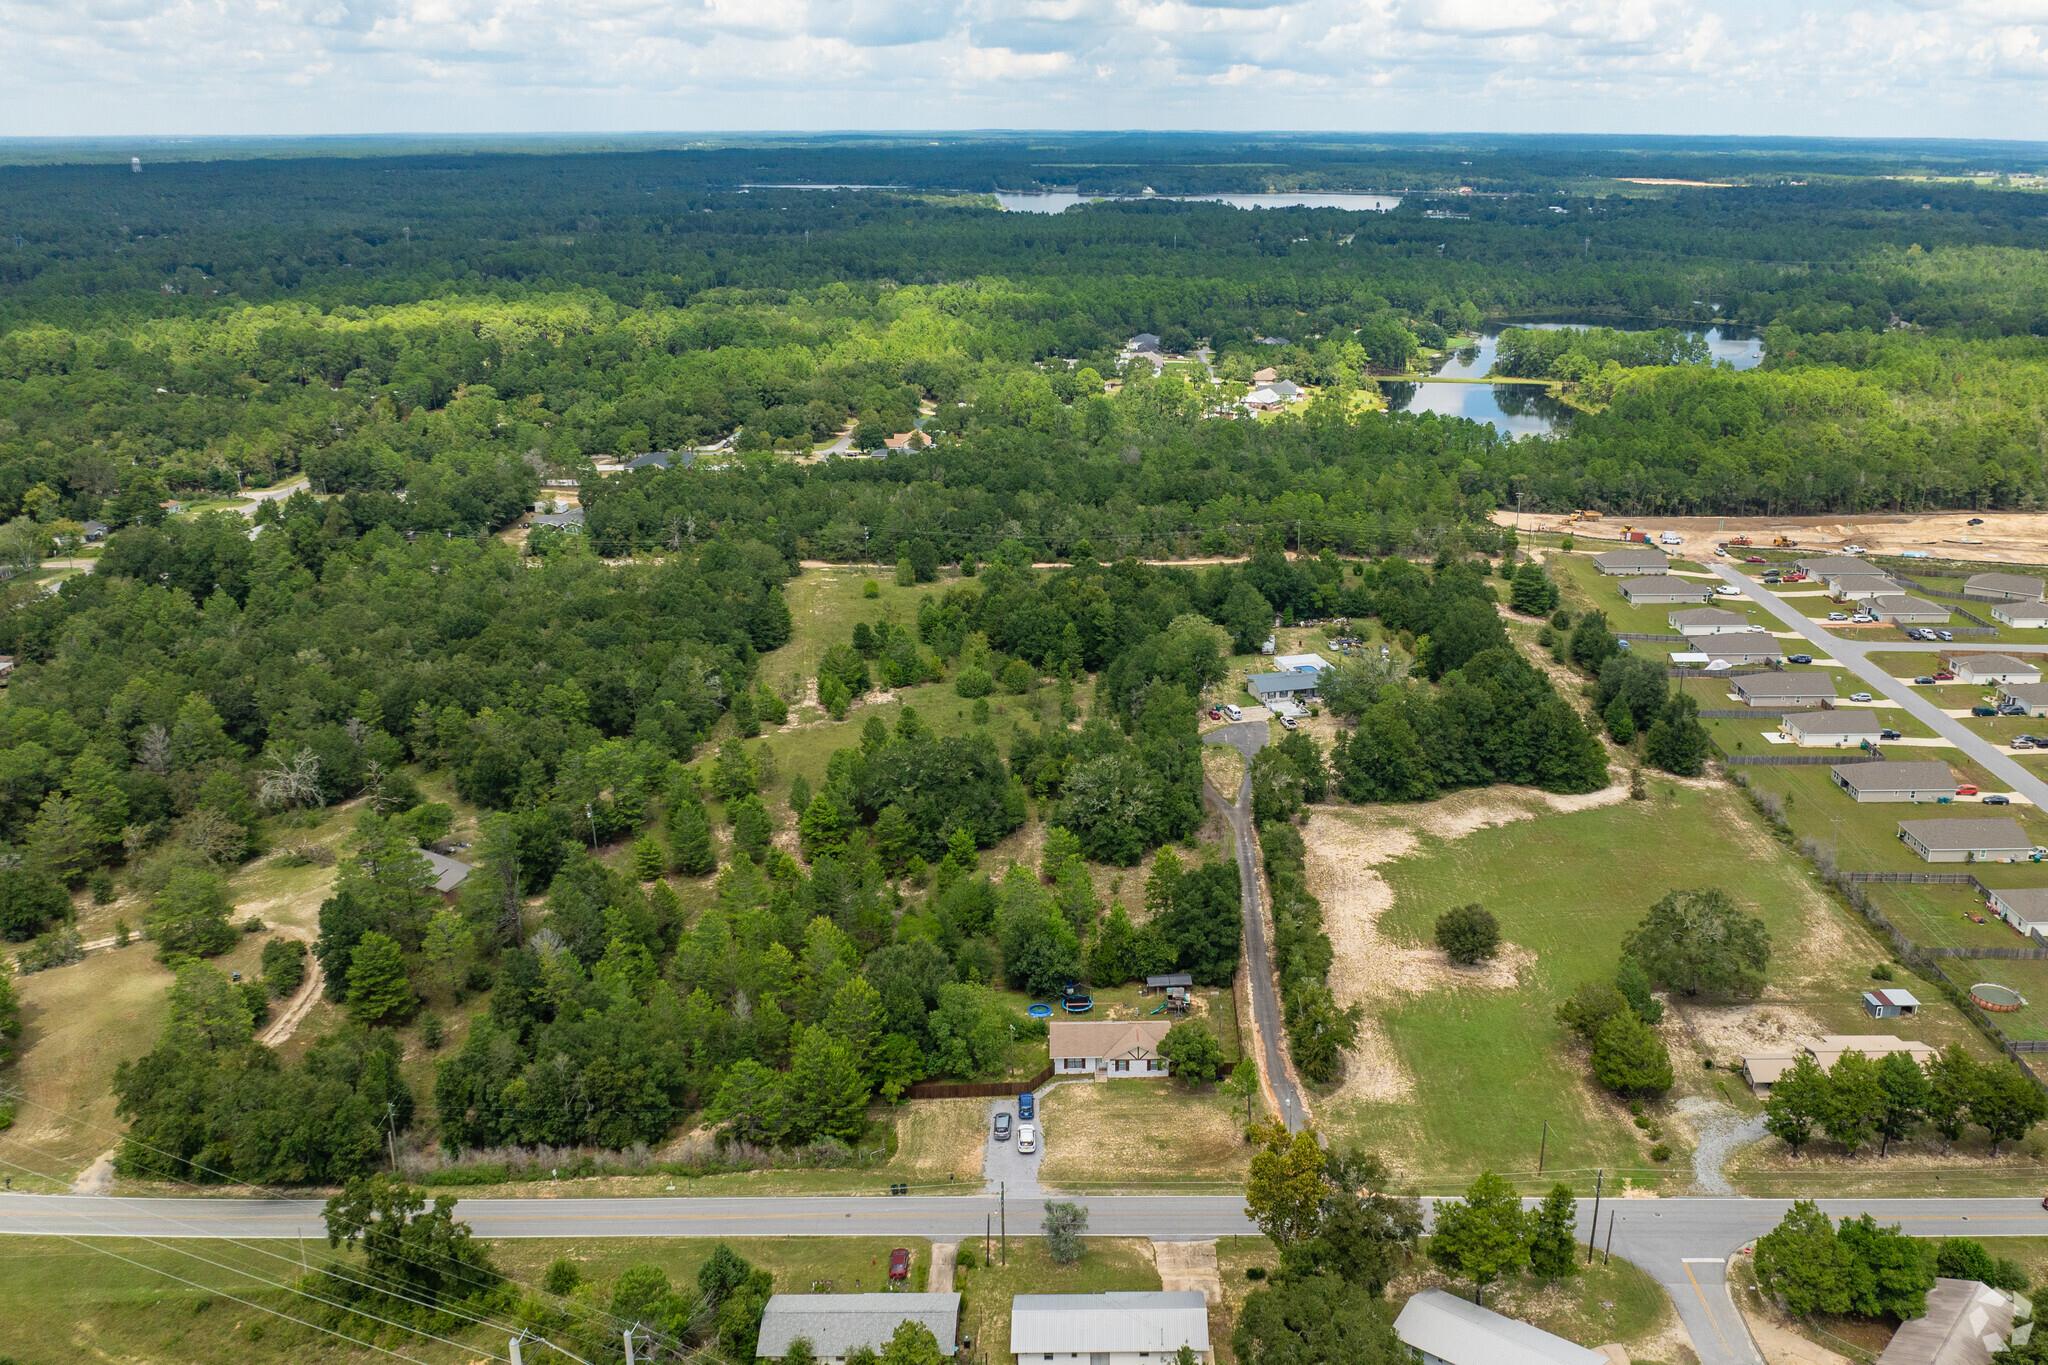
x: 1002, y: 1127
x: 1027, y: 1105
x: 1983, y: 710
x: 1232, y: 711
x: 1859, y: 696
x: 1288, y: 723
x: 1215, y: 713
x: 1889, y: 734
x: 899, y: 1263
x: 1924, y: 680
x: 1838, y: 616
x: 1996, y: 800
x: 1027, y: 1137
x: 1944, y: 676
x: 1727, y: 590
x: 1863, y: 618
x: 1945, y: 636
x: 2022, y: 742
x: 1799, y: 658
x: 1967, y: 789
x: 1753, y: 559
x: 2012, y: 708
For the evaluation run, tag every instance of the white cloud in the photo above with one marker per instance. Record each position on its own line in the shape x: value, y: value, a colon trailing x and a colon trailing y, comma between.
x: 1897, y: 67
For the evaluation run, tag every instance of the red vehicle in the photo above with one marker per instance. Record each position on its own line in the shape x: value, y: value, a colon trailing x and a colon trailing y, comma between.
x: 1754, y: 559
x: 1966, y: 790
x: 1215, y: 713
x: 1795, y: 578
x: 899, y: 1264
x: 1944, y: 676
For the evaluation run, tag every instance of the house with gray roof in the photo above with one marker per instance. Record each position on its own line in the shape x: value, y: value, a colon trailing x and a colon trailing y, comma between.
x: 1855, y: 587
x: 1708, y: 621
x: 1828, y: 566
x: 2024, y: 908
x: 2021, y: 615
x: 2033, y: 696
x: 1967, y: 839
x: 837, y: 1324
x: 2010, y: 587
x: 1271, y: 687
x: 1838, y: 729
x: 1633, y: 559
x: 1441, y: 1328
x: 1651, y: 589
x: 1992, y: 668
x: 1730, y: 651
x: 1907, y: 611
x: 449, y: 874
x: 1889, y: 781
x: 1124, y: 1328
x: 1966, y: 1323
x: 1784, y: 689
x: 570, y: 521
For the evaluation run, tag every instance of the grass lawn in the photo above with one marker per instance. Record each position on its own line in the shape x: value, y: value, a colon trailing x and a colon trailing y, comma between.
x: 1606, y: 1301
x: 1746, y: 735
x: 1581, y: 586
x: 1108, y: 1263
x: 824, y: 604
x: 2028, y: 976
x: 1138, y: 1134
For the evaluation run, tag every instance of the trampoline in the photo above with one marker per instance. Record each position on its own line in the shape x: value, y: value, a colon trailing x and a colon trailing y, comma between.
x: 1998, y: 999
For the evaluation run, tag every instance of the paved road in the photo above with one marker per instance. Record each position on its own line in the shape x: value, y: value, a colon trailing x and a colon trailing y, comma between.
x: 270, y: 495
x: 1854, y: 655
x: 1248, y: 737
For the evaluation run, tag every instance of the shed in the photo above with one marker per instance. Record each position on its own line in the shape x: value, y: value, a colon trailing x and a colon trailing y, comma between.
x: 2024, y: 908
x: 1633, y: 559
x: 1888, y: 781
x: 2010, y: 587
x: 449, y: 875
x: 1160, y: 983
x: 1109, y: 1049
x: 1708, y: 621
x: 1911, y: 611
x: 1966, y: 1323
x: 1967, y: 839
x: 2021, y: 615
x: 1784, y: 689
x: 1838, y: 728
x: 1889, y: 1003
x: 837, y: 1324
x: 1654, y: 588
x: 2033, y: 696
x: 1443, y: 1329
x: 1110, y: 1329
x: 1992, y: 668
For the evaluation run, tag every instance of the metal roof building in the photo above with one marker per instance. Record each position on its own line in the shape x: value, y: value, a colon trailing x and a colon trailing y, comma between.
x: 1444, y: 1329
x: 836, y: 1323
x: 1112, y: 1329
x: 1966, y: 1323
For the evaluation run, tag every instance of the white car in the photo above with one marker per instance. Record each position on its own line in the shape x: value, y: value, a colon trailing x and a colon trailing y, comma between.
x: 1859, y: 696
x: 1838, y: 616
x: 1027, y: 1137
x: 1728, y: 590
x: 1862, y: 618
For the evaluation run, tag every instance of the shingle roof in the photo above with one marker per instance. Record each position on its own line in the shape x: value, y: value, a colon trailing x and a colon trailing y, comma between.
x: 1829, y: 564
x: 1896, y: 777
x: 1708, y: 616
x: 836, y: 1323
x: 1652, y: 584
x: 2003, y: 582
x: 1900, y: 605
x: 1786, y: 685
x: 1105, y: 1037
x: 448, y: 873
x: 1461, y: 1333
x: 1966, y: 1323
x: 2028, y: 902
x: 1633, y: 554
x: 1968, y: 833
x: 1843, y: 722
x: 1992, y: 663
x: 1116, y: 1323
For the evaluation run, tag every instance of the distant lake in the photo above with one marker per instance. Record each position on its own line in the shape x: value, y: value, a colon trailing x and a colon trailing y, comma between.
x: 1738, y: 346
x: 1061, y: 201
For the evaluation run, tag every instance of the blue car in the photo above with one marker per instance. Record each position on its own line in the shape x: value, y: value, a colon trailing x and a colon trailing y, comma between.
x: 1027, y: 1105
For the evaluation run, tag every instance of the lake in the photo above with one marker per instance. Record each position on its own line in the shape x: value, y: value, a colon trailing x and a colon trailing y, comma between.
x: 1738, y: 346
x: 1061, y: 201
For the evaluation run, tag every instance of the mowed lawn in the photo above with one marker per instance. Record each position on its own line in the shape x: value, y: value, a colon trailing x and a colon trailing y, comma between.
x: 1491, y: 1066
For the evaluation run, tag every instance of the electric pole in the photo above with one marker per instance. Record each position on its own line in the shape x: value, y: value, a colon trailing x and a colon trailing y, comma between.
x: 1594, y: 1235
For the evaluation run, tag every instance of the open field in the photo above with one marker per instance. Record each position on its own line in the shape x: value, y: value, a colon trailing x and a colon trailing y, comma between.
x: 1137, y: 1134
x: 985, y: 1291
x: 2004, y: 538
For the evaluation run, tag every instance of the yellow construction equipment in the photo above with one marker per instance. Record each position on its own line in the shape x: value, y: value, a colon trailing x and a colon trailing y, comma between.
x: 1783, y: 543
x: 1589, y: 515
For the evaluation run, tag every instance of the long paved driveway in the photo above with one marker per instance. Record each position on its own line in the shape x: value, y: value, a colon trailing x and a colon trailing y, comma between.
x: 1248, y: 737
x: 1854, y: 655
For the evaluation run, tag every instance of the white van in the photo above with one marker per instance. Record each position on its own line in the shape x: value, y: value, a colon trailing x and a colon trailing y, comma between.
x: 1232, y: 712
x: 1670, y: 538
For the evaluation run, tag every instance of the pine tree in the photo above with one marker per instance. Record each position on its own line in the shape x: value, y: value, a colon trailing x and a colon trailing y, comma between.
x: 647, y: 861
x: 800, y: 794
x: 772, y: 709
x: 97, y: 800
x: 1903, y: 1086
x: 822, y: 830
x: 689, y: 832
x: 743, y: 716
x: 1553, y: 1250
x: 1630, y: 1057
x: 752, y: 831
x: 377, y: 985
x: 827, y: 1093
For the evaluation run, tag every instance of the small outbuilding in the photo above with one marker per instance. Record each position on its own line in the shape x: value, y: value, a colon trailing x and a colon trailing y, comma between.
x: 2008, y: 587
x: 449, y: 874
x: 1888, y: 781
x: 1708, y: 621
x: 1633, y: 559
x: 1992, y: 668
x: 1784, y: 689
x: 1300, y: 663
x: 838, y: 1324
x: 1129, y: 1328
x: 2024, y: 908
x: 1657, y: 588
x: 1967, y: 839
x: 1838, y: 729
x: 1440, y: 1328
x: 1890, y: 1003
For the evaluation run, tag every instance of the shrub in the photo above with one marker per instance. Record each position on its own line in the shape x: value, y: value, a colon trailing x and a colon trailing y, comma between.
x: 871, y: 589
x: 1468, y: 933
x: 57, y: 948
x: 974, y: 681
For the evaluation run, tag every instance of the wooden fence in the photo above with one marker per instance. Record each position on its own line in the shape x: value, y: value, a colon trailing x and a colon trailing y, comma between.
x: 975, y: 1090
x: 1796, y: 760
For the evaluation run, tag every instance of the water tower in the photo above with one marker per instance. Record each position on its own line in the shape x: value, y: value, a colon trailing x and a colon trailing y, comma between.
x: 135, y: 164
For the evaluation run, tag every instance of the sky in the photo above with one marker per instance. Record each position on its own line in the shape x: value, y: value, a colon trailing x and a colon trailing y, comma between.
x: 1976, y: 68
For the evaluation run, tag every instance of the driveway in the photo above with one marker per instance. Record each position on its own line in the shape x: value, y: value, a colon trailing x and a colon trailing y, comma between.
x: 1248, y: 737
x: 1854, y: 655
x: 1002, y: 1165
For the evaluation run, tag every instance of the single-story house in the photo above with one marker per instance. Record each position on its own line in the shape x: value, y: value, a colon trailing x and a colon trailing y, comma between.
x: 2011, y: 587
x: 1440, y: 1328
x: 1966, y: 1323
x: 1126, y: 1328
x: 2021, y: 615
x: 1277, y: 394
x: 1708, y: 621
x: 837, y: 1324
x: 449, y: 875
x: 1784, y: 689
x: 1890, y: 1003
x: 94, y: 531
x: 907, y: 440
x: 1763, y: 1069
x: 1750, y: 649
x: 1144, y: 343
x: 1644, y: 589
x: 2024, y: 908
x: 1300, y: 663
x: 1855, y: 587
x: 1845, y: 728
x: 1890, y: 781
x: 1272, y: 687
x: 1907, y: 611
x: 1108, y: 1048
x: 2033, y: 696
x: 1828, y: 566
x: 1968, y: 839
x: 1633, y: 559
x: 661, y: 459
x: 1265, y: 376
x: 1992, y: 668
x: 570, y: 521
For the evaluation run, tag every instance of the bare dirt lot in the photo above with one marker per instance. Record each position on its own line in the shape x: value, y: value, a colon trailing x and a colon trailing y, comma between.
x: 2004, y: 538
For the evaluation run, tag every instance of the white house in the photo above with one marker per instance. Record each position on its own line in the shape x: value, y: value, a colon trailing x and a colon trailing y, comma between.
x: 1644, y: 589
x: 1633, y: 559
x: 1907, y: 781
x: 1108, y: 1049
x: 1857, y: 587
x: 2011, y: 587
x: 1708, y: 621
x: 2033, y: 696
x: 1838, y: 729
x: 2021, y: 615
x: 1442, y: 1329
x: 1992, y: 668
x: 1969, y: 839
x: 835, y: 1324
x: 2024, y: 908
x: 1129, y: 1328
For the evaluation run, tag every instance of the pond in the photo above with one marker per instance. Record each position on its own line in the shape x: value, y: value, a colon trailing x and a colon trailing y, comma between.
x: 1059, y: 201
x: 1737, y: 345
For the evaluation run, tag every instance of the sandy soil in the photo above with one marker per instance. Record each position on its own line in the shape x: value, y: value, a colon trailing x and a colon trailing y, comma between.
x: 2004, y: 538
x: 1728, y: 1031
x: 1189, y: 1265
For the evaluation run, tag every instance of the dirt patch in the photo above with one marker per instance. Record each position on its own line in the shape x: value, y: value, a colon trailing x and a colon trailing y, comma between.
x: 1224, y: 767
x: 1726, y: 1032
x: 1137, y: 1130
x: 939, y: 1140
x: 1188, y: 1265
x: 2004, y: 537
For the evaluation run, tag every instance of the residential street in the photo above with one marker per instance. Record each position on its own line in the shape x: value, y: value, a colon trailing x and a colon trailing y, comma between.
x: 1854, y: 655
x: 1248, y: 737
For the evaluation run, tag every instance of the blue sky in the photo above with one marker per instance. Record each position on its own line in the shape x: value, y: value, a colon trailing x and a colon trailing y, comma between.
x: 95, y: 67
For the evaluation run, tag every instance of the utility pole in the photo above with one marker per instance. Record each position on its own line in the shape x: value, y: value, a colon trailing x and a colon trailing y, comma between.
x: 593, y: 826
x: 1607, y: 1257
x: 629, y: 1344
x: 1598, y: 1177
x: 391, y: 1131
x: 1543, y: 1150
x: 1003, y: 1212
x: 517, y: 1358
